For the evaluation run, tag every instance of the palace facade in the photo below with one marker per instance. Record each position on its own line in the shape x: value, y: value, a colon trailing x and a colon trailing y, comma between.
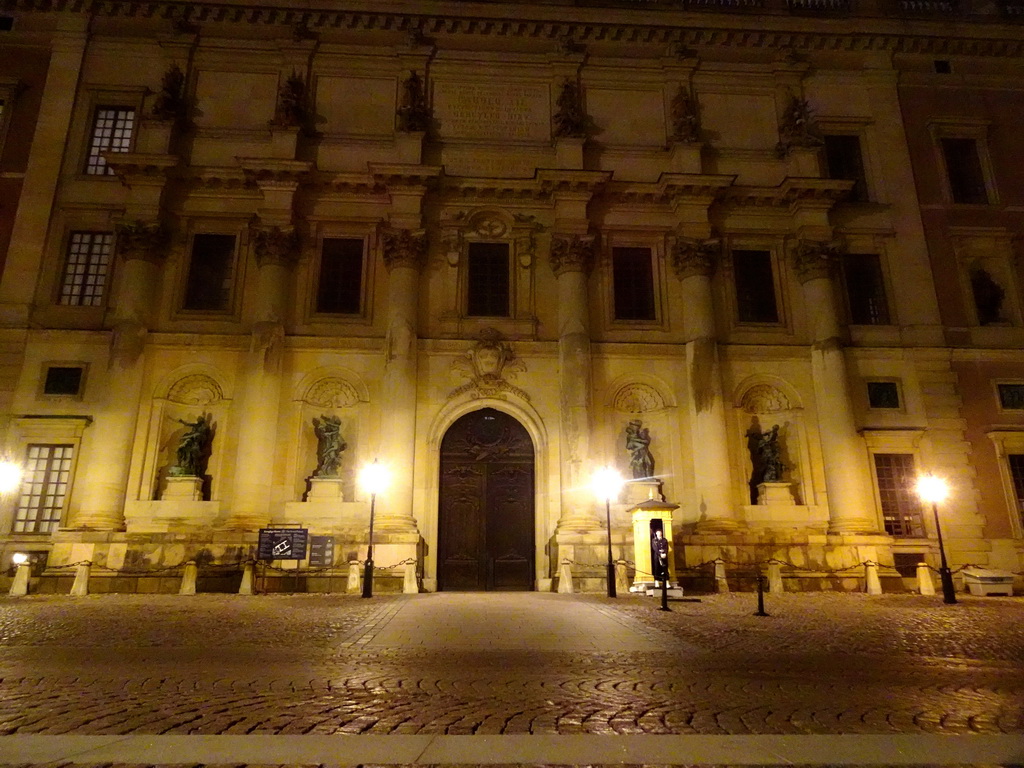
x: 777, y: 243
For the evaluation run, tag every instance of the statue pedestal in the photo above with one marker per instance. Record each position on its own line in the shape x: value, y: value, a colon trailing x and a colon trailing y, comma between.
x: 325, y: 488
x: 774, y: 495
x: 183, y: 488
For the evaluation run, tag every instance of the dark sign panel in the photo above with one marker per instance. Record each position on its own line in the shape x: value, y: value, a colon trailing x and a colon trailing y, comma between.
x: 283, y: 543
x: 321, y: 551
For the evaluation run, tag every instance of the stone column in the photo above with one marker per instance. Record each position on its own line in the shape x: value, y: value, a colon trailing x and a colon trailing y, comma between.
x: 694, y: 262
x: 571, y: 259
x: 142, y: 246
x: 275, y: 249
x: 851, y: 508
x: 405, y: 252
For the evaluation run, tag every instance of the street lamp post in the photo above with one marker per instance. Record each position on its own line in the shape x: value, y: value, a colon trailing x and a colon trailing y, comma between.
x: 373, y: 478
x: 607, y: 483
x: 934, y: 489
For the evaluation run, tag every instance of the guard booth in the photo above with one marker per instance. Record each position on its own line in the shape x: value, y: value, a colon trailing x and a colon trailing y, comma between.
x: 649, y: 516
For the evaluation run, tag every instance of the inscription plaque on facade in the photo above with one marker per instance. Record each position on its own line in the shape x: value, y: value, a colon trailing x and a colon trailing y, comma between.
x: 321, y: 551
x: 500, y: 111
x: 282, y: 543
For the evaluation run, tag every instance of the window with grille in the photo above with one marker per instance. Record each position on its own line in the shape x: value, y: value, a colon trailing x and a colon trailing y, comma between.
x: 964, y: 171
x: 112, y: 129
x: 86, y: 268
x: 633, y: 283
x: 210, y: 273
x: 883, y: 394
x: 1011, y: 396
x: 901, y: 509
x: 44, y: 488
x: 843, y: 160
x: 865, y: 289
x: 488, y: 280
x: 339, y: 286
x: 755, y: 287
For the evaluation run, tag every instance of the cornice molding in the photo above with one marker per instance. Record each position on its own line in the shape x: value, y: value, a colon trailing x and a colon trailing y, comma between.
x: 677, y: 28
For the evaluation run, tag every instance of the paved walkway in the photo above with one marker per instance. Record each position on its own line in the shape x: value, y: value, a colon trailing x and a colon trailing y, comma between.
x: 510, y: 679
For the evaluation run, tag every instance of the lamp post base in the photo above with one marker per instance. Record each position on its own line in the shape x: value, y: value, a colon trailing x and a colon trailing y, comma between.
x: 368, y: 579
x: 948, y: 592
x: 611, y: 580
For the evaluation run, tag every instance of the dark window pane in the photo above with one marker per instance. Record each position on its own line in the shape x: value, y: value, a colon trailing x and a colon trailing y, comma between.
x: 755, y: 287
x: 901, y: 510
x: 1017, y: 473
x: 339, y: 290
x: 488, y: 280
x: 633, y: 283
x: 62, y: 380
x: 865, y: 289
x: 843, y: 161
x: 883, y: 394
x: 966, y: 179
x: 1011, y: 396
x: 210, y: 272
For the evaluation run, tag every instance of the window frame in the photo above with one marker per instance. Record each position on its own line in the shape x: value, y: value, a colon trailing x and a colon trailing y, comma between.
x: 777, y: 286
x: 317, y: 277
x: 963, y: 128
x: 465, y: 292
x: 897, y: 441
x: 65, y: 258
x: 9, y: 89
x: 901, y: 408
x: 996, y: 384
x: 861, y: 182
x: 653, y: 283
x: 94, y: 98
x: 883, y: 281
x: 1007, y: 442
x: 236, y: 275
x: 44, y: 369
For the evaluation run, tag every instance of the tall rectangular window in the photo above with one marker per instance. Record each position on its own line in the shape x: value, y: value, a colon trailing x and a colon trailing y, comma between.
x: 210, y: 273
x: 633, y: 282
x: 112, y: 129
x: 44, y: 488
x: 964, y: 171
x: 340, y: 284
x: 843, y: 160
x: 86, y: 268
x: 865, y: 289
x: 487, y: 285
x: 755, y: 287
x: 901, y: 509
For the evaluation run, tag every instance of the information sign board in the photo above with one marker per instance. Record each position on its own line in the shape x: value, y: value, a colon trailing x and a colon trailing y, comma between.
x: 283, y: 543
x: 321, y: 551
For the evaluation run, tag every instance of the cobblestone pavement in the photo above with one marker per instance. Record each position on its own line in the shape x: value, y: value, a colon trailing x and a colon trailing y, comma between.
x: 821, y: 663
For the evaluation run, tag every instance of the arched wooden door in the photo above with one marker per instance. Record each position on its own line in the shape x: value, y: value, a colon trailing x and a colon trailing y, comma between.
x: 485, y: 519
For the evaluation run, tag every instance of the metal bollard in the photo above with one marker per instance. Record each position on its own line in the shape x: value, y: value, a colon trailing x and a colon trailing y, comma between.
x: 564, y: 579
x: 19, y: 587
x: 925, y: 585
x: 81, y: 586
x: 760, y: 597
x: 871, y: 583
x: 188, y: 578
x: 245, y: 588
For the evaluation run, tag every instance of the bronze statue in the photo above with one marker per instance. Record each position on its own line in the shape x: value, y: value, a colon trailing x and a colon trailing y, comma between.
x: 329, y: 445
x: 638, y: 441
x: 768, y: 453
x: 192, y: 448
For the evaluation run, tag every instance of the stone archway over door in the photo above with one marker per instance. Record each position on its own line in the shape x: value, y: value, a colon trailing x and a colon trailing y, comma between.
x: 486, y: 509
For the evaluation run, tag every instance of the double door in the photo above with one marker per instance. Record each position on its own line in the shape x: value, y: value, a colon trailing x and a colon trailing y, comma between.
x: 486, y: 510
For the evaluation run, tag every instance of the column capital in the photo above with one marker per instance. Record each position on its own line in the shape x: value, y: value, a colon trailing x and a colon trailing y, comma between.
x: 404, y: 248
x: 694, y: 256
x: 274, y: 246
x: 816, y: 259
x: 142, y: 239
x: 572, y: 253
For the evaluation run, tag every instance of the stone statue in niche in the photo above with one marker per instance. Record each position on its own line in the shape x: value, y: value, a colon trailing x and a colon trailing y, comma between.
x: 413, y: 114
x: 797, y: 128
x: 193, y: 448
x: 292, y: 109
x: 768, y: 455
x: 570, y: 120
x: 988, y: 297
x: 329, y: 446
x: 685, y: 121
x: 638, y: 442
x: 170, y: 100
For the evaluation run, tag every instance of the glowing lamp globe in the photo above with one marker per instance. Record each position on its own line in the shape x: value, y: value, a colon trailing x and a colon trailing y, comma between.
x: 606, y: 483
x: 932, y: 489
x: 374, y: 478
x: 10, y: 476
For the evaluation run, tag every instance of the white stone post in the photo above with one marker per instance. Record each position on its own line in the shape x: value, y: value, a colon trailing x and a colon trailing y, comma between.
x: 189, y: 578
x: 19, y: 587
x: 871, y: 583
x: 565, y: 579
x: 925, y: 583
x: 410, y: 585
x: 245, y: 587
x: 353, y: 586
x: 80, y: 587
x: 775, y: 583
x: 694, y: 263
x: 721, y: 582
x: 571, y: 259
x: 847, y: 474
